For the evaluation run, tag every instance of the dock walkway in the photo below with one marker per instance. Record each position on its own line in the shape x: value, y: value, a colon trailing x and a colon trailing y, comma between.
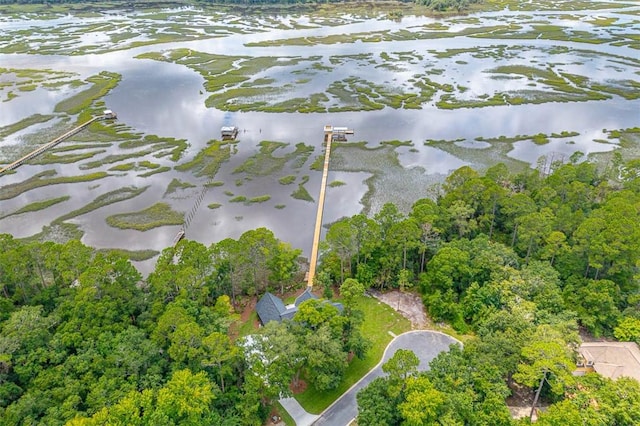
x: 329, y: 133
x: 53, y: 143
x: 328, y: 137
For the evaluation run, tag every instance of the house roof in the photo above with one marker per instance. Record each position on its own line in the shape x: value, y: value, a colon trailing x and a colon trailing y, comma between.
x: 306, y: 295
x: 270, y: 308
x: 613, y: 359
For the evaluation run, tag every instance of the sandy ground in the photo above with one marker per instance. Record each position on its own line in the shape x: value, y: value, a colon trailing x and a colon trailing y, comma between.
x: 409, y: 305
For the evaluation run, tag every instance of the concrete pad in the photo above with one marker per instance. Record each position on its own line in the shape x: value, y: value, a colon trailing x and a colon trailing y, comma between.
x: 295, y: 410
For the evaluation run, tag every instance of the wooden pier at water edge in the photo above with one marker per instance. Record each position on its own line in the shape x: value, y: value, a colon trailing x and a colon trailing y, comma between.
x: 107, y: 114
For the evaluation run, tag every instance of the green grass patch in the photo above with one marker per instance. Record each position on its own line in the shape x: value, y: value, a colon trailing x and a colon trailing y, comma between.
x: 379, y: 319
x: 123, y: 167
x: 540, y: 139
x: 287, y: 180
x: 148, y: 164
x: 106, y: 199
x: 318, y: 163
x: 45, y: 179
x: 238, y: 199
x: 248, y: 327
x: 38, y: 205
x: 208, y: 161
x: 214, y: 206
x: 260, y: 199
x: 336, y: 183
x: 177, y: 184
x: 280, y: 206
x: 284, y: 415
x: 214, y: 184
x: 159, y: 214
x: 397, y: 143
x: 265, y: 162
x: 23, y: 124
x: 155, y: 171
x: 301, y: 193
x: 134, y: 255
x: 101, y: 85
x: 58, y: 232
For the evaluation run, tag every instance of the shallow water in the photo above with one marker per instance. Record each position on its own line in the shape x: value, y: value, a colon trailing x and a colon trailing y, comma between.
x: 168, y: 100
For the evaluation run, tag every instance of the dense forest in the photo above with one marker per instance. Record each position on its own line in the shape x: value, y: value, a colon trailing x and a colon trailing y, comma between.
x: 517, y: 263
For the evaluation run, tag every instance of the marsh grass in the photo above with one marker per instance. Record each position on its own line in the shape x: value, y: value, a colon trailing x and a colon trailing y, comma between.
x: 105, y: 199
x: 155, y: 171
x: 302, y: 194
x: 287, y: 180
x: 101, y: 85
x: 157, y: 215
x: 45, y: 179
x: 123, y: 167
x: 265, y: 162
x: 23, y: 124
x: 177, y: 184
x: 134, y: 255
x: 259, y: 199
x: 58, y: 232
x: 51, y: 158
x: 37, y: 206
x: 208, y: 161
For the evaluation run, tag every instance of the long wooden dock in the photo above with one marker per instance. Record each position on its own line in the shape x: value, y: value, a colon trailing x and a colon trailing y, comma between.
x: 328, y: 138
x: 54, y: 142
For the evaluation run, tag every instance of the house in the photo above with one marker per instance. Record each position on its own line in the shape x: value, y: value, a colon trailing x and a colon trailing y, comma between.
x: 271, y: 307
x: 610, y: 359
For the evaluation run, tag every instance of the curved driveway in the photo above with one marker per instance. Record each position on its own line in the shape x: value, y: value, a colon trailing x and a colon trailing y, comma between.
x: 425, y: 344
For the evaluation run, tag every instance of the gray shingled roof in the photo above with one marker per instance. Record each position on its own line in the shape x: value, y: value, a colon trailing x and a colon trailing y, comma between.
x: 270, y: 308
x: 306, y: 295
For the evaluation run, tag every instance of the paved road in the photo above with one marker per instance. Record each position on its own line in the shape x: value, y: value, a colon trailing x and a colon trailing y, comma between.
x: 425, y: 344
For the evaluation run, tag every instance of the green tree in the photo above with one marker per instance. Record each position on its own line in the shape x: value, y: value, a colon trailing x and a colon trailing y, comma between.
x: 376, y: 407
x: 628, y: 330
x: 326, y: 360
x: 350, y: 290
x: 548, y: 358
x: 422, y: 403
x: 403, y: 364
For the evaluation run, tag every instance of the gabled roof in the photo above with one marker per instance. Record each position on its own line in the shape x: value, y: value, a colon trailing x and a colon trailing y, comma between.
x: 306, y: 295
x: 270, y: 308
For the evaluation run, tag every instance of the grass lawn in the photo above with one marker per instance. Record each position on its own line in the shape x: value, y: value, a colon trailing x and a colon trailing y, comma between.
x: 286, y: 418
x: 248, y: 327
x: 379, y: 319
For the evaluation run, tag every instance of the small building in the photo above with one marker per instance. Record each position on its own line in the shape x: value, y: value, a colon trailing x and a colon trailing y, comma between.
x: 229, y: 132
x: 271, y: 307
x: 107, y: 113
x: 337, y: 133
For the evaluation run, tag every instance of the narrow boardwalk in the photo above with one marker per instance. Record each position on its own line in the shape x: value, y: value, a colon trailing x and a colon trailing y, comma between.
x: 328, y: 136
x: 49, y: 145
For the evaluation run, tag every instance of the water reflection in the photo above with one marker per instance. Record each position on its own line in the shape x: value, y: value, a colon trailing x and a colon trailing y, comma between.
x: 168, y: 100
